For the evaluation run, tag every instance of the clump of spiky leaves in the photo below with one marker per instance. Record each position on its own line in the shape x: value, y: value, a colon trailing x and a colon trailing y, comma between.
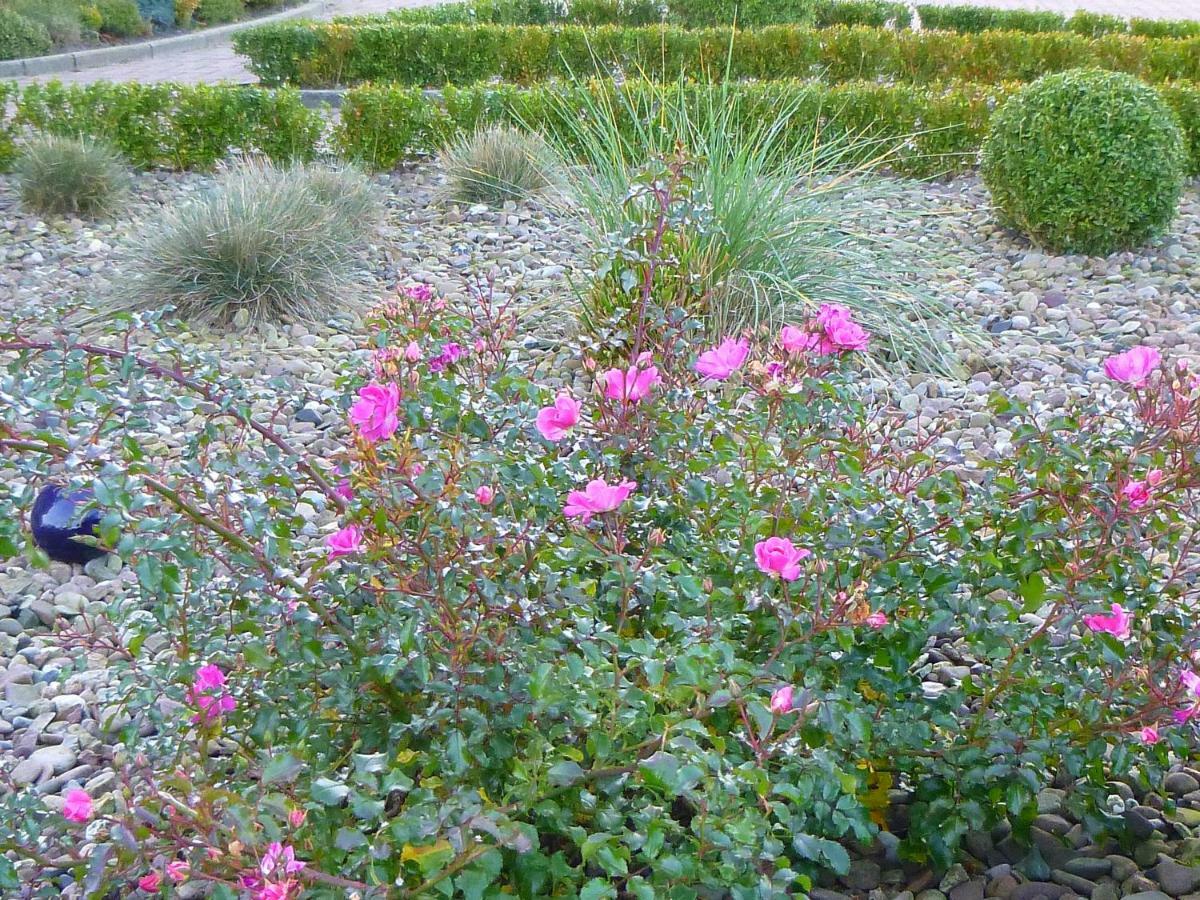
x: 267, y: 243
x: 62, y: 176
x: 498, y: 163
x: 781, y: 199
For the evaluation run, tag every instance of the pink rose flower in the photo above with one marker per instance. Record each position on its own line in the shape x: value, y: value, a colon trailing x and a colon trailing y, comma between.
x: 484, y: 495
x: 150, y: 882
x: 376, y: 413
x: 208, y: 694
x: 1134, y: 366
x: 344, y: 541
x: 296, y: 817
x: 178, y: 871
x: 724, y: 360
x: 422, y: 292
x: 829, y: 313
x: 877, y: 620
x: 1154, y: 477
x: 78, y: 806
x: 598, y: 497
x: 344, y: 490
x: 780, y: 558
x: 1118, y: 624
x: 1149, y: 735
x: 555, y: 421
x: 797, y: 340
x: 1191, y: 681
x: 449, y: 355
x: 280, y: 860
x: 847, y: 335
x: 781, y: 700
x: 1136, y: 494
x: 412, y: 352
x: 630, y: 386
x: 277, y: 891
x: 840, y: 331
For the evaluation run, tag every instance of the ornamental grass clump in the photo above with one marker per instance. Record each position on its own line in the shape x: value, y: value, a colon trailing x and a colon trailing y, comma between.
x: 1085, y: 162
x: 498, y: 163
x: 772, y: 234
x: 267, y: 243
x: 670, y: 633
x: 61, y: 176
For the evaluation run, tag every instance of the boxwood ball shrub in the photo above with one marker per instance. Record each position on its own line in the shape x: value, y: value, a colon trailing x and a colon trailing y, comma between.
x: 60, y: 176
x: 667, y: 635
x: 266, y: 243
x: 1085, y: 162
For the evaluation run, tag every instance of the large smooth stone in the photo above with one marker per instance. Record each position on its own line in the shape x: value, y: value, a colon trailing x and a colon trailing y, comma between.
x: 58, y: 520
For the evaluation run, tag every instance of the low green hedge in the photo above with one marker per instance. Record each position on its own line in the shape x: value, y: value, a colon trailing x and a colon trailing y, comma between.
x: 927, y: 130
x: 974, y: 19
x: 1164, y: 28
x: 757, y: 13
x: 923, y: 130
x: 8, y: 151
x: 685, y: 13
x: 323, y: 54
x: 175, y: 126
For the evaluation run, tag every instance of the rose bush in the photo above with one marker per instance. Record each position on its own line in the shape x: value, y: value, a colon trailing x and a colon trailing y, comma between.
x: 668, y: 639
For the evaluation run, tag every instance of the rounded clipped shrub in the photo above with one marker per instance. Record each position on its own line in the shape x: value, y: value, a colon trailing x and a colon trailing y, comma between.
x: 1085, y: 161
x: 59, y: 175
x: 20, y: 37
x: 268, y: 243
x: 498, y: 163
x: 121, y: 18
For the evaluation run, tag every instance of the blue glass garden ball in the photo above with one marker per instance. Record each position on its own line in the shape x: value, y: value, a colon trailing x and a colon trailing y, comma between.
x: 57, y: 521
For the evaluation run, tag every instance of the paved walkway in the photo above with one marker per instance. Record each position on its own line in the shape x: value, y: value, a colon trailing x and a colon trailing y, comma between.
x: 209, y: 64
x: 220, y: 63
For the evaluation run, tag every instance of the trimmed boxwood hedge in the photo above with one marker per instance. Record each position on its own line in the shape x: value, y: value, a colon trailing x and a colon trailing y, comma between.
x: 757, y: 13
x: 171, y: 125
x: 9, y: 92
x: 194, y: 126
x: 686, y: 13
x: 382, y: 125
x: 926, y: 131
x: 324, y: 54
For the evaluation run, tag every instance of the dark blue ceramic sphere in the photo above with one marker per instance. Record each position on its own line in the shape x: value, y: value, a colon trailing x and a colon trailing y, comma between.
x: 57, y: 521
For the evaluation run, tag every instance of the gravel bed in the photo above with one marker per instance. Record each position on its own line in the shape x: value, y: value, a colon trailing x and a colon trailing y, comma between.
x: 1051, y: 321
